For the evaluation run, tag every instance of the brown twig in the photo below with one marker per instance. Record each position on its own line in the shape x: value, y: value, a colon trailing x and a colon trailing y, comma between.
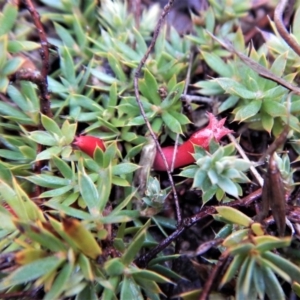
x: 205, y: 212
x: 137, y: 12
x: 44, y: 52
x: 210, y: 281
x: 262, y: 71
x: 245, y: 157
x: 137, y: 96
x: 32, y: 295
x: 196, y: 99
x: 281, y: 28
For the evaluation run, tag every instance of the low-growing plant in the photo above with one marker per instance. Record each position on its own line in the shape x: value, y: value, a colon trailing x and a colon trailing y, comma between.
x: 78, y: 221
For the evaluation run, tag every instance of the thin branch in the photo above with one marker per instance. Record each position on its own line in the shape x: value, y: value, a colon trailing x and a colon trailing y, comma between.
x: 279, y: 10
x: 137, y: 12
x: 245, y: 157
x: 205, y: 212
x: 196, y: 99
x: 137, y: 96
x: 212, y: 277
x: 44, y: 52
x: 262, y: 71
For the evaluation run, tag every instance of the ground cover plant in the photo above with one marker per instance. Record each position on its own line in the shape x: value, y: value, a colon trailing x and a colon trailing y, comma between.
x: 149, y: 150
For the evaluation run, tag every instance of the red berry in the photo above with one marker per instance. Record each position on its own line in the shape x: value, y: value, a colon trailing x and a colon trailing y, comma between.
x: 88, y: 144
x: 215, y: 129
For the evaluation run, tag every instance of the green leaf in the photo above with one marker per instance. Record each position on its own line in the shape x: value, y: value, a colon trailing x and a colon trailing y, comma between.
x: 181, y: 118
x: 235, y: 88
x: 273, y: 287
x: 248, y: 277
x: 48, y: 181
x: 239, y: 289
x: 274, y: 108
x: 245, y: 112
x: 199, y: 177
x: 4, y: 82
x: 259, y: 282
x: 48, y: 153
x: 289, y: 268
x: 41, y: 235
x: 189, y: 172
x: 104, y: 186
x: 228, y: 186
x: 67, y: 65
x: 43, y: 138
x: 172, y: 123
x: 63, y: 167
x: 116, y: 67
x: 296, y: 288
x: 149, y: 275
x: 109, y: 291
x: 56, y: 192
x: 81, y: 237
x: 209, y: 193
x: 149, y: 88
x: 9, y: 111
x: 18, y: 46
x: 233, y: 215
x: 86, y: 267
x: 79, y: 31
x: 167, y: 272
x: 235, y: 238
x: 217, y: 64
x: 89, y: 192
x: 59, y: 284
x: 68, y: 131
x: 18, y: 98
x: 51, y: 126
x: 135, y: 245
x: 279, y: 64
x: 230, y: 102
x: 141, y: 43
x: 267, y: 122
x: 65, y: 36
x: 31, y: 271
x: 114, y: 267
x: 12, y: 66
x: 130, y: 290
x: 8, y: 17
x: 87, y: 293
x: 266, y: 243
x: 232, y: 269
x: 148, y: 285
x: 124, y: 168
x: 69, y: 211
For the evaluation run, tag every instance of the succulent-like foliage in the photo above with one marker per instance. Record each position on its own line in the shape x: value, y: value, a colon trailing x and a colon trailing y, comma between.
x: 76, y: 220
x: 217, y: 173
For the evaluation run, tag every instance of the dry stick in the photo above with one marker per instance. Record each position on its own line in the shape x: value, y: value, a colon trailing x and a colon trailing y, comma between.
x: 245, y: 157
x: 281, y: 28
x: 205, y: 212
x: 44, y: 52
x: 137, y: 96
x: 196, y: 99
x: 215, y: 271
x: 262, y: 71
x: 137, y: 12
x: 187, y: 82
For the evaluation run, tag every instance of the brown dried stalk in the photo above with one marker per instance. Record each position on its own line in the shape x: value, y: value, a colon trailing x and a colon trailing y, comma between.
x: 41, y: 80
x: 280, y: 8
x: 137, y: 96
